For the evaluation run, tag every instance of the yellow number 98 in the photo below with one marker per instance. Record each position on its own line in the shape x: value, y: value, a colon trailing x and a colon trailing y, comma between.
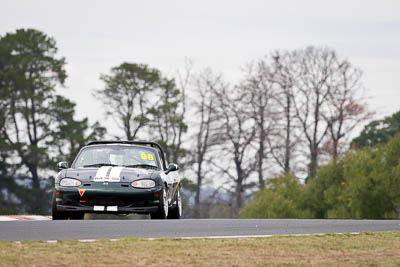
x: 147, y: 156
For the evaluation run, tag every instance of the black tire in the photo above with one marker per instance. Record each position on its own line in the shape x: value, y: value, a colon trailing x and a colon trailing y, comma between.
x: 162, y: 212
x: 176, y: 211
x: 55, y: 214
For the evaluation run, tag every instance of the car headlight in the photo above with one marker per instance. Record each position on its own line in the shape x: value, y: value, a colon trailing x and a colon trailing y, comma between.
x: 70, y: 182
x: 143, y: 184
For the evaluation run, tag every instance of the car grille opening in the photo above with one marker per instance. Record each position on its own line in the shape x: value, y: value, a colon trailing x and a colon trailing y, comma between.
x: 120, y: 202
x: 107, y: 202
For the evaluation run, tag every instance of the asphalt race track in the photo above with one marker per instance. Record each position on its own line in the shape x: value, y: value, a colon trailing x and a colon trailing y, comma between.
x: 112, y: 229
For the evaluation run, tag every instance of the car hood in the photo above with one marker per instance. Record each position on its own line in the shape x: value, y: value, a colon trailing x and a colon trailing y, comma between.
x: 124, y: 173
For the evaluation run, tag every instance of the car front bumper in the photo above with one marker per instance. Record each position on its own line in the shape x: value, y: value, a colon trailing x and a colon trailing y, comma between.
x: 107, y: 209
x: 114, y: 198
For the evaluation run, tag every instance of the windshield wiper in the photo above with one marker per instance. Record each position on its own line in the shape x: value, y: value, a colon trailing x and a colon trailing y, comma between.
x: 100, y: 165
x: 141, y: 166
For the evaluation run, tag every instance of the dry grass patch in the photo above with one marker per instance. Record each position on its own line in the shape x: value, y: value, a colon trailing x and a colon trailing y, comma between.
x: 364, y: 249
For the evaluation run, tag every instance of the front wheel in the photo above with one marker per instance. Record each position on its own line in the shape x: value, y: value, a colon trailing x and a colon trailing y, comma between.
x: 176, y: 212
x: 162, y: 212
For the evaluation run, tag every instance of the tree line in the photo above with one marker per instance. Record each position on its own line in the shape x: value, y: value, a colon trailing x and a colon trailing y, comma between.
x: 289, y: 112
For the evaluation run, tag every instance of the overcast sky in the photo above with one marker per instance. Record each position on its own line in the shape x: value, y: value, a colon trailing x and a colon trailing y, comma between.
x: 224, y: 35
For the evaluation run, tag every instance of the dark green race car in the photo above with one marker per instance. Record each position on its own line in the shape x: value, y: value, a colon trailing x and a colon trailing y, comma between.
x: 118, y: 177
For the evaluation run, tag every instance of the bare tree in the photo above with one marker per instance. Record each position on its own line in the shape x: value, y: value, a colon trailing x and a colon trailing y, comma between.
x: 346, y: 107
x: 313, y: 88
x: 184, y: 80
x: 204, y: 138
x: 237, y: 130
x: 286, y: 139
x: 258, y: 85
x: 326, y: 98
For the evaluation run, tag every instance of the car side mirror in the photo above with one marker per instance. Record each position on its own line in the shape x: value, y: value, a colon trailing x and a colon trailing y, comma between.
x: 171, y: 168
x: 62, y: 165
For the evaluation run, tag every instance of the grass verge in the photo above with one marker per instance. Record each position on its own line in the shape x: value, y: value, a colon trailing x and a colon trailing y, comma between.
x: 364, y: 249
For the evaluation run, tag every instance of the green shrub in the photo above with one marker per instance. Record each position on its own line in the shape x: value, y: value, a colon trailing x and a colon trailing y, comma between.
x: 282, y: 198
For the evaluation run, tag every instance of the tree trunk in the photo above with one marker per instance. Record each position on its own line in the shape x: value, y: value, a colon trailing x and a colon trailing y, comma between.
x: 312, y: 168
x: 35, y: 177
x: 261, y: 181
x: 287, y: 137
x: 197, y: 196
x: 238, y: 188
x: 239, y: 198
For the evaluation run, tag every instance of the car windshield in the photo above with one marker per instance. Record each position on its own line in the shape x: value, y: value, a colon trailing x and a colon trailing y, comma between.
x: 117, y: 155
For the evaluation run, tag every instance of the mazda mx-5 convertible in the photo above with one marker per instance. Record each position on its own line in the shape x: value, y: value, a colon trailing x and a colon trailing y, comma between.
x: 118, y: 177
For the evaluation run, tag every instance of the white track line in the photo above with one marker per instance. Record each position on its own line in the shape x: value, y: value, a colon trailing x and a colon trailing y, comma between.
x: 214, y: 237
x: 258, y: 236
